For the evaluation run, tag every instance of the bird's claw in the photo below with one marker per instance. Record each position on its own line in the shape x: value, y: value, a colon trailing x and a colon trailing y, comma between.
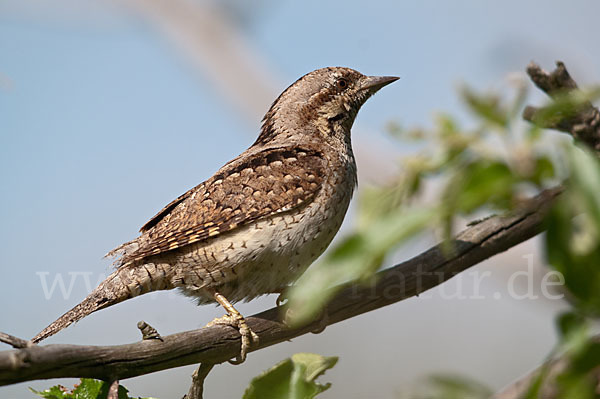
x: 238, y: 322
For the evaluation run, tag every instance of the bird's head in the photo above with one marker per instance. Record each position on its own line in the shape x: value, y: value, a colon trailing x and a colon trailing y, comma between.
x: 323, y: 102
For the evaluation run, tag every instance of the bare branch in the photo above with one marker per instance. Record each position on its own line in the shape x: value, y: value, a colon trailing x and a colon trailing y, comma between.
x: 219, y: 343
x: 113, y: 390
x: 584, y: 126
x: 552, y: 83
x: 197, y: 388
x: 14, y: 341
x: 148, y: 332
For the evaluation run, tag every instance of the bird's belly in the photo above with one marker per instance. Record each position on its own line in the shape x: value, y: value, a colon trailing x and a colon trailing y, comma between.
x: 265, y: 256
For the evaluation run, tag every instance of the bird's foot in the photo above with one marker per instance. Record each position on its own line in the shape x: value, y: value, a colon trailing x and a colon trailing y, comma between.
x: 237, y: 321
x: 234, y: 319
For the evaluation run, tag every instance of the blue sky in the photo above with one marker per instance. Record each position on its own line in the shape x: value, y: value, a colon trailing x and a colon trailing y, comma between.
x: 103, y: 122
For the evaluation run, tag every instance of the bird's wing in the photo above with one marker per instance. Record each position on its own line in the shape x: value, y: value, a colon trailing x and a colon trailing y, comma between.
x: 272, y: 181
x: 166, y: 210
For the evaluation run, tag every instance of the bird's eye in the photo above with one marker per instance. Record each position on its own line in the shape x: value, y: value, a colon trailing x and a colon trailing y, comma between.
x: 341, y: 83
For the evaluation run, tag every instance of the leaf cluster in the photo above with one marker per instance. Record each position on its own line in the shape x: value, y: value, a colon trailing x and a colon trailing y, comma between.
x: 86, y: 389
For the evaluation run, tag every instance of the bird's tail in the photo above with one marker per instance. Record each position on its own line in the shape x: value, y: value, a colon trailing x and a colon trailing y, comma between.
x: 122, y: 284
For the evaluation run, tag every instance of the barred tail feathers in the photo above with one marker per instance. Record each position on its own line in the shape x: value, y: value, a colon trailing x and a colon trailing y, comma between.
x: 109, y: 292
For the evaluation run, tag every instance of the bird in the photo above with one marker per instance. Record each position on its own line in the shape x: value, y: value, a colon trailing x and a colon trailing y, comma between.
x: 256, y: 225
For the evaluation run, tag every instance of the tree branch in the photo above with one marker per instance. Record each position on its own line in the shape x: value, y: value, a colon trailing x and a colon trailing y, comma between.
x: 197, y: 389
x: 218, y: 343
x: 584, y: 125
x: 113, y: 390
x: 14, y: 341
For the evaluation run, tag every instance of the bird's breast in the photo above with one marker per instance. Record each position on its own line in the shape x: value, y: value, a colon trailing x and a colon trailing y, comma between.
x: 271, y: 253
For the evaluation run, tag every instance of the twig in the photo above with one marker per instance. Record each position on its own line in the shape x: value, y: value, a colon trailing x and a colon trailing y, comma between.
x: 584, y: 125
x: 113, y: 390
x: 14, y: 341
x: 218, y: 343
x: 552, y: 83
x: 197, y: 388
x: 148, y: 332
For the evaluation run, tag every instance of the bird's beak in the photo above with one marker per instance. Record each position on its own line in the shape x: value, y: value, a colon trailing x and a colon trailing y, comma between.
x: 374, y: 83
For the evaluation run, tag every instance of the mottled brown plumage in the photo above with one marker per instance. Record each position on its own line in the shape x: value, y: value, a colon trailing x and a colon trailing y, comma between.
x: 271, y: 181
x: 262, y: 219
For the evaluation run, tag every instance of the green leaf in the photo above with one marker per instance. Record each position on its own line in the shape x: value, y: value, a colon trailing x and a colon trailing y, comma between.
x: 576, y: 380
x: 576, y: 387
x: 569, y: 323
x: 486, y: 182
x: 88, y: 388
x: 575, y: 332
x: 536, y: 385
x: 543, y: 170
x: 487, y: 107
x: 582, y: 357
x: 585, y: 176
x: 454, y: 387
x: 92, y: 389
x: 573, y: 236
x: 580, y: 270
x: 55, y: 392
x: 474, y: 185
x: 588, y: 359
x: 293, y: 378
